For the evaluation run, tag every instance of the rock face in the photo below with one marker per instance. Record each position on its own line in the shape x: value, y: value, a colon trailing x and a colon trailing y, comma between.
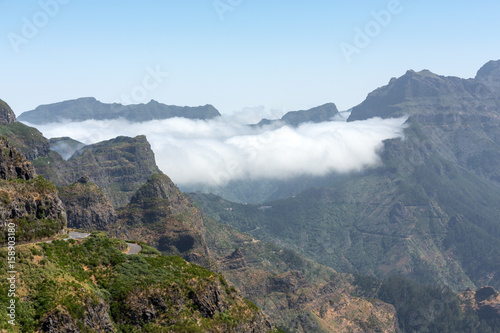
x: 27, y: 200
x: 13, y: 165
x: 118, y: 166
x: 89, y: 108
x: 87, y: 207
x: 7, y: 116
x: 160, y: 215
x: 96, y: 318
x: 27, y: 140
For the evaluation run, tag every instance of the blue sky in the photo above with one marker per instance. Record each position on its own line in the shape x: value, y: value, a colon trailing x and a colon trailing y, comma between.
x: 284, y: 55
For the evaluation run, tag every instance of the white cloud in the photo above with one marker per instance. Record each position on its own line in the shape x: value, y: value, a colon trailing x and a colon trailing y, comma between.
x: 216, y: 151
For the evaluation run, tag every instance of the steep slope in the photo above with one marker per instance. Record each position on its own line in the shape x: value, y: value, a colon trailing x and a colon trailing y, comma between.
x: 429, y: 212
x: 7, y: 116
x: 298, y: 294
x: 118, y: 166
x: 91, y: 286
x: 29, y: 204
x: 89, y: 108
x: 87, y: 207
x: 161, y: 216
x: 27, y: 140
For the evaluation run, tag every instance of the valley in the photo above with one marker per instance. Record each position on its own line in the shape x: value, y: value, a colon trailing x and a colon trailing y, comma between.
x: 409, y: 243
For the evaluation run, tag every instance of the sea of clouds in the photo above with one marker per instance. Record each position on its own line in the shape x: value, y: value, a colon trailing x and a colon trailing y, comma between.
x: 213, y: 152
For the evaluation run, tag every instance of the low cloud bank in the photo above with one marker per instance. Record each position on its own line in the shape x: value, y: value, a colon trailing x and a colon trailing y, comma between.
x: 219, y: 150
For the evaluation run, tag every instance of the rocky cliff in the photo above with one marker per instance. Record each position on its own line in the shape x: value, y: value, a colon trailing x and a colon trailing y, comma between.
x: 161, y: 216
x: 87, y: 207
x: 89, y: 108
x: 28, y: 201
x: 7, y: 116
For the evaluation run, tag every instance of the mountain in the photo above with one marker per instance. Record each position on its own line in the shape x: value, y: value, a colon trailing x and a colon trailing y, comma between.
x: 87, y: 207
x: 27, y: 140
x: 159, y: 215
x: 118, y: 166
x: 30, y: 208
x: 89, y: 108
x: 326, y: 112
x: 429, y: 211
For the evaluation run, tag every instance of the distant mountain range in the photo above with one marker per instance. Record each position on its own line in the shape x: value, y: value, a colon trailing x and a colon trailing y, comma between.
x: 325, y: 112
x: 89, y: 108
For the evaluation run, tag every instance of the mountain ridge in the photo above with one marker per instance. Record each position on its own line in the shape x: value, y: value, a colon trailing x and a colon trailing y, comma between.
x: 86, y: 108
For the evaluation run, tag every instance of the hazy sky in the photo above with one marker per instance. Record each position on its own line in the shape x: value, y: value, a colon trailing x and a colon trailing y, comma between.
x: 282, y: 54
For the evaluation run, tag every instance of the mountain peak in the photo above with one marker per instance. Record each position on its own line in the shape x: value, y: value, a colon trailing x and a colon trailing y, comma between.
x: 489, y: 74
x: 423, y: 93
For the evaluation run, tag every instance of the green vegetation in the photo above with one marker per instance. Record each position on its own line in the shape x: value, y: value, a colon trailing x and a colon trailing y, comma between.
x: 71, y: 279
x: 39, y: 214
x: 423, y: 308
x: 28, y: 140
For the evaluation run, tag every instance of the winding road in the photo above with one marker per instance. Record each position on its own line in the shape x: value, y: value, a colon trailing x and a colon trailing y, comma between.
x: 133, y: 248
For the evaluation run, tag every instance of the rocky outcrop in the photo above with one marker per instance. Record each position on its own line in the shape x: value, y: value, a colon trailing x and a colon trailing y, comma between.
x: 59, y: 321
x: 89, y: 108
x: 87, y: 207
x: 160, y: 215
x: 27, y: 200
x: 209, y: 299
x: 7, y: 116
x: 235, y: 260
x: 97, y: 316
x: 14, y: 165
